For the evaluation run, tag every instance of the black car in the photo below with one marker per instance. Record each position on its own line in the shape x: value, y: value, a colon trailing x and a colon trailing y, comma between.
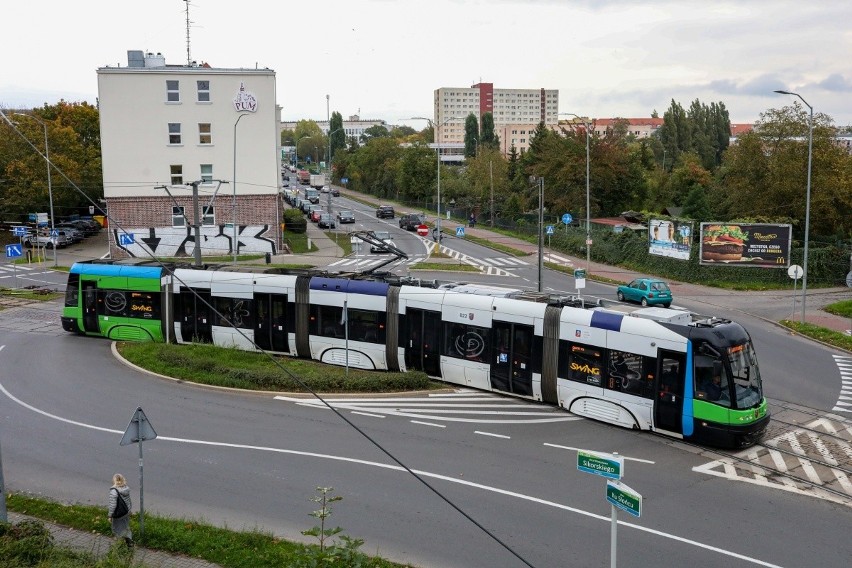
x: 345, y: 217
x: 385, y: 212
x: 326, y: 221
x: 411, y: 221
x: 335, y: 192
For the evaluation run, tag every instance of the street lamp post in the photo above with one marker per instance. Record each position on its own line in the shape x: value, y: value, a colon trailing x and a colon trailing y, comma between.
x: 438, y: 152
x: 588, y: 219
x: 234, y: 179
x: 808, y: 196
x: 49, y: 185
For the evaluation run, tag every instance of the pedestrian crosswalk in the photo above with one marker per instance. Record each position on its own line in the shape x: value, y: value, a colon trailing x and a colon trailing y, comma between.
x: 10, y: 271
x: 462, y: 405
x: 492, y: 266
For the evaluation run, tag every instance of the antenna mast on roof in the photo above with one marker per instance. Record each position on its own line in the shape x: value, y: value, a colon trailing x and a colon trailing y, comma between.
x: 188, y: 56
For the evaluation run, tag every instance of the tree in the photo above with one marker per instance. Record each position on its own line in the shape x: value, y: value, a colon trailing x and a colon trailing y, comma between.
x: 375, y: 131
x: 416, y: 173
x: 307, y: 128
x: 703, y: 130
x: 471, y: 135
x: 288, y: 137
x: 489, y: 137
x: 336, y: 134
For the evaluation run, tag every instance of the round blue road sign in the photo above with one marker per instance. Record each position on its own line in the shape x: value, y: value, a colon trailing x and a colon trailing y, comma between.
x: 567, y: 218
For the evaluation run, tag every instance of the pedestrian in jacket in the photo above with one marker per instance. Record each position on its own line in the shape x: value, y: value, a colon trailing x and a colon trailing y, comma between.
x: 121, y: 524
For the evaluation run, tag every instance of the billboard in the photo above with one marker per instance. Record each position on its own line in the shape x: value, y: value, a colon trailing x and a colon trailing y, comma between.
x: 759, y: 245
x: 670, y: 238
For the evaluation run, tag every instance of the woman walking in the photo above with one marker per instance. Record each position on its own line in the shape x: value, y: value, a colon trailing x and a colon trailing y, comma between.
x: 119, y: 508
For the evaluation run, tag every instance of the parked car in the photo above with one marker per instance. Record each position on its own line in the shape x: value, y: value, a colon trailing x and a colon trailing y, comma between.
x: 43, y: 239
x: 411, y: 221
x: 646, y: 291
x: 385, y: 212
x: 326, y: 221
x: 345, y: 217
x: 383, y: 236
x: 316, y: 214
x: 74, y: 234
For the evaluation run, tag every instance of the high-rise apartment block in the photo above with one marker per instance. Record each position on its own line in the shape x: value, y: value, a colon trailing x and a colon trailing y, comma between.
x: 513, y: 110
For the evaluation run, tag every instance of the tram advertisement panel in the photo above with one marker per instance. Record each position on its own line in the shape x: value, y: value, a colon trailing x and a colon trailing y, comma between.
x: 759, y: 245
x: 670, y: 238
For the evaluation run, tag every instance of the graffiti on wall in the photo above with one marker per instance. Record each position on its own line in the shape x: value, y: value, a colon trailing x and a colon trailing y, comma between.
x: 180, y: 241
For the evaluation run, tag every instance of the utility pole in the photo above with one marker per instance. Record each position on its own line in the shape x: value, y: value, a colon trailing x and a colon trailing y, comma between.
x: 491, y: 174
x: 196, y: 223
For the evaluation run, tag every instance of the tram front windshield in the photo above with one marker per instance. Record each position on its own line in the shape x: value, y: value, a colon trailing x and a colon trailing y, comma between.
x: 748, y: 388
x: 730, y: 378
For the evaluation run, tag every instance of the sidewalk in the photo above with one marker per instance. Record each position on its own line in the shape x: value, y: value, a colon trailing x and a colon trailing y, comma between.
x: 99, y: 545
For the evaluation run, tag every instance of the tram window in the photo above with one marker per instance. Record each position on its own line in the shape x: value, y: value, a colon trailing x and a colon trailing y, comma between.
x: 467, y: 342
x: 711, y: 381
x: 144, y: 305
x: 72, y: 291
x: 626, y: 374
x: 366, y: 325
x: 234, y: 311
x: 585, y: 365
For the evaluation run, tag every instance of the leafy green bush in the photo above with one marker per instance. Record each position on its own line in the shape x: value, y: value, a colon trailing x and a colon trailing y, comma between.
x: 294, y: 221
x: 26, y: 543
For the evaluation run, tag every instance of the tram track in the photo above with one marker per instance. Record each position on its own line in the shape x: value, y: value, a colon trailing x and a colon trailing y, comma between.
x: 804, y: 450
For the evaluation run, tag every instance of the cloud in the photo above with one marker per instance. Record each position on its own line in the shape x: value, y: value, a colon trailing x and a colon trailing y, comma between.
x: 835, y: 83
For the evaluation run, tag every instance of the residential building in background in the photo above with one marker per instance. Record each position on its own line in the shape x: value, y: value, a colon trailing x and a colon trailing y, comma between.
x: 167, y: 128
x: 354, y: 126
x: 513, y: 110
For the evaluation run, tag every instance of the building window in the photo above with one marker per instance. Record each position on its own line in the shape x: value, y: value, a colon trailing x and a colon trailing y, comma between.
x: 174, y: 133
x: 204, y: 136
x: 173, y: 91
x: 207, y: 216
x: 178, y: 219
x: 177, y: 174
x: 203, y: 91
x: 207, y: 173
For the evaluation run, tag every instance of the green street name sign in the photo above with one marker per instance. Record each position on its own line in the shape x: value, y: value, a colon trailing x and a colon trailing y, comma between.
x: 605, y: 465
x: 624, y: 498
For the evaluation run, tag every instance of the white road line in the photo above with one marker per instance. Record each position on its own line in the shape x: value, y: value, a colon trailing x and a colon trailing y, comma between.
x: 428, y: 424
x: 369, y: 414
x: 492, y: 435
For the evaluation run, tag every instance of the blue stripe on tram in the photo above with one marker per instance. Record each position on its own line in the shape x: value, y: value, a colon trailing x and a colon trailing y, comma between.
x: 607, y: 320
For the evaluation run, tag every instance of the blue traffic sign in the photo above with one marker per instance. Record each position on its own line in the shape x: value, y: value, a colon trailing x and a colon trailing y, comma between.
x: 459, y: 231
x: 13, y: 250
x: 54, y: 233
x: 126, y: 239
x: 344, y: 181
x: 19, y: 231
x: 567, y: 218
x: 549, y: 230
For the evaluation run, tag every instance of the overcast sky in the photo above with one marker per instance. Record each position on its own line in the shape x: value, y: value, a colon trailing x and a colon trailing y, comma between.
x: 383, y: 59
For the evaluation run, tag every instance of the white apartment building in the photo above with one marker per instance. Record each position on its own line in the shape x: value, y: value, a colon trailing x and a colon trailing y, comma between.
x: 166, y: 129
x: 354, y: 126
x: 512, y: 109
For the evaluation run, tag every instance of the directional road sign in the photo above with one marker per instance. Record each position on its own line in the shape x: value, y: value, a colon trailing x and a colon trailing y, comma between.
x: 344, y: 181
x: 459, y: 231
x: 126, y: 239
x: 567, y: 218
x: 624, y: 498
x: 13, y: 251
x: 19, y: 231
x: 605, y: 465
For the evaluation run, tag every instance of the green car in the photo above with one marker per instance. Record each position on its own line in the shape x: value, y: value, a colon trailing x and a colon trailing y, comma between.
x: 646, y: 291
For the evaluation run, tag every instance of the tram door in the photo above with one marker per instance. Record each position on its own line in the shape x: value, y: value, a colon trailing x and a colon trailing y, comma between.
x: 668, y: 408
x: 90, y: 307
x: 270, y: 329
x: 195, y: 315
x: 421, y: 352
x: 511, y: 345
